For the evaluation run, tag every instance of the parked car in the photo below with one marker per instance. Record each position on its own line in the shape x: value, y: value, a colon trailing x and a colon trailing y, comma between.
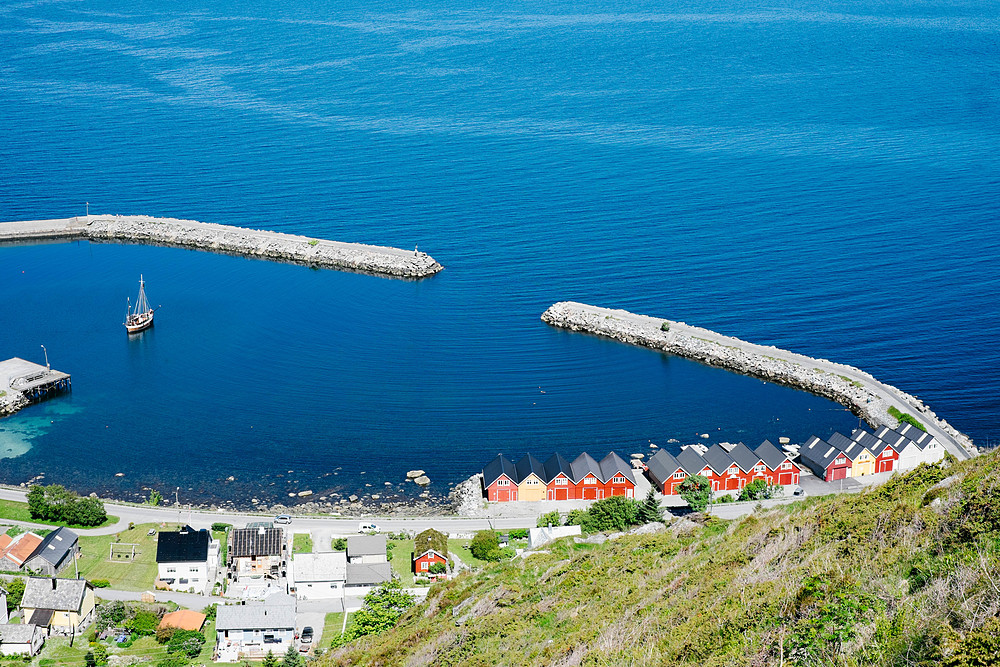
x: 307, y: 635
x: 283, y: 518
x: 368, y: 528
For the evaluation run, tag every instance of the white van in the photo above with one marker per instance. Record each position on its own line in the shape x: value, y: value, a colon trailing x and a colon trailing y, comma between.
x: 368, y: 528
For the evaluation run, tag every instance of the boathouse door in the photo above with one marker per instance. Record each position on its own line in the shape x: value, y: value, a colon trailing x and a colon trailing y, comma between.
x: 839, y: 473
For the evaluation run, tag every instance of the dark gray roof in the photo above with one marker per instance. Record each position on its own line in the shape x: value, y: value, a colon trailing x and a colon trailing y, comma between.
x: 818, y: 454
x: 56, y: 546
x: 367, y: 574
x: 528, y: 465
x: 497, y: 468
x: 692, y: 462
x: 247, y: 542
x: 555, y: 465
x: 770, y: 455
x: 868, y: 441
x: 744, y: 457
x: 895, y: 440
x: 583, y: 465
x: 662, y: 466
x: 365, y: 545
x: 922, y: 438
x: 271, y: 614
x: 58, y: 594
x: 718, y: 459
x: 841, y: 442
x: 185, y: 545
x: 612, y: 465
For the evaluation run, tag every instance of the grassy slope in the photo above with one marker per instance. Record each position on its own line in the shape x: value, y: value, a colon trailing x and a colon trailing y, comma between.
x: 893, y: 576
x: 138, y: 575
x: 17, y: 511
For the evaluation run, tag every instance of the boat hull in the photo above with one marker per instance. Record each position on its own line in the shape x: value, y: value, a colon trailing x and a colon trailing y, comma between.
x: 139, y: 323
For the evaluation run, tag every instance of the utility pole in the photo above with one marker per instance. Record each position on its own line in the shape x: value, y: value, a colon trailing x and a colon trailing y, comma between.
x: 88, y: 210
x: 46, y: 358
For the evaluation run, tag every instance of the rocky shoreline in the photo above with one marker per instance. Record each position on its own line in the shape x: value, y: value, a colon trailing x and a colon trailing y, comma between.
x: 851, y: 387
x: 277, y: 246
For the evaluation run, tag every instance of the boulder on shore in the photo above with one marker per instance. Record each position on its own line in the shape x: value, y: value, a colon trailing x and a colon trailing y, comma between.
x: 423, y: 480
x: 413, y: 474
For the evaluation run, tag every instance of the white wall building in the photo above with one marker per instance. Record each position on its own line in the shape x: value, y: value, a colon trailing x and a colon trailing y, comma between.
x: 319, y: 576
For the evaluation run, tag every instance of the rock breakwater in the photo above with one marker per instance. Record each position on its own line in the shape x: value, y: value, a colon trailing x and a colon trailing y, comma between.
x: 358, y: 257
x: 857, y: 390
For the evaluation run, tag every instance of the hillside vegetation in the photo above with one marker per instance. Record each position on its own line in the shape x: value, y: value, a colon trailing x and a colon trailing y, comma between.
x: 903, y: 574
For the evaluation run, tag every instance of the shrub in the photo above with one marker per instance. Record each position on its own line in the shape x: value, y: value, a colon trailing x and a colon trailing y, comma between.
x: 665, y: 326
x: 59, y: 504
x: 548, y: 519
x: 143, y: 623
x: 696, y: 490
x: 186, y: 642
x: 614, y: 513
x: 438, y: 568
x: 163, y: 635
x: 340, y: 544
x: 755, y: 490
x: 483, y: 544
x: 100, y: 583
x: 522, y: 533
x: 219, y: 527
x: 210, y: 611
x: 15, y: 591
x: 575, y: 517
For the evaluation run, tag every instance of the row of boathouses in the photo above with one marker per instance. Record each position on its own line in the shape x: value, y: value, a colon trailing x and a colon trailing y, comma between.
x: 726, y: 470
x: 864, y: 453
x: 558, y: 479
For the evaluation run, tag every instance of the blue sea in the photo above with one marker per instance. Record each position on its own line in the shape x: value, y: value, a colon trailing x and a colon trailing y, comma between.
x: 821, y: 176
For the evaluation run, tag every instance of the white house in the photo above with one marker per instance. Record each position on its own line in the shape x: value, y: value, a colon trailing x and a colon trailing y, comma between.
x: 187, y: 560
x: 318, y: 576
x: 931, y: 450
x: 539, y: 536
x: 910, y: 454
x: 21, y: 639
x: 252, y: 629
x: 366, y: 549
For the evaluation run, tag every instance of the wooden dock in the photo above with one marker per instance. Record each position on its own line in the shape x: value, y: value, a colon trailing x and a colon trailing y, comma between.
x: 23, y: 382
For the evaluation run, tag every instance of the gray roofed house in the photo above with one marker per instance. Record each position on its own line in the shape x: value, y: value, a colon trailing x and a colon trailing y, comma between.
x: 613, y: 465
x: 556, y: 465
x: 744, y: 457
x: 818, y: 455
x: 23, y: 639
x: 770, y: 455
x: 250, y: 630
x: 366, y: 549
x: 844, y: 444
x: 869, y: 441
x: 718, y: 459
x: 895, y: 440
x: 497, y: 468
x: 584, y: 465
x: 661, y: 468
x: 368, y: 574
x: 692, y: 462
x: 57, y: 550
x: 57, y: 594
x: 529, y: 465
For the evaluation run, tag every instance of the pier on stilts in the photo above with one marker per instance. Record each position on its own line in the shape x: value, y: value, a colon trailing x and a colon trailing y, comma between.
x: 23, y: 382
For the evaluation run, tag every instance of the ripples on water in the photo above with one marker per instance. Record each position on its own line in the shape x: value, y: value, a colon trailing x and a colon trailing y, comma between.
x: 821, y: 178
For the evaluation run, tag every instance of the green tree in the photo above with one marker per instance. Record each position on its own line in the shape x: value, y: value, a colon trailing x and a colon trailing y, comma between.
x: 755, y: 490
x: 614, y: 513
x: 483, y: 543
x: 97, y: 656
x: 144, y: 623
x: 15, y: 591
x: 292, y: 658
x: 549, y: 519
x: 155, y: 497
x: 576, y: 517
x: 340, y: 544
x: 650, y: 510
x: 187, y: 642
x: 270, y: 660
x: 382, y: 609
x: 696, y: 490
x: 38, y: 505
x: 438, y: 568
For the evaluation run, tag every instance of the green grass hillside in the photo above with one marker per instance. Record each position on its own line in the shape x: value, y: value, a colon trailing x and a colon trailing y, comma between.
x: 905, y: 574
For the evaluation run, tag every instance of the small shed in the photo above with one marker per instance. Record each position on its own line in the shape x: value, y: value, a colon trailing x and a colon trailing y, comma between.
x: 429, y: 547
x: 21, y: 639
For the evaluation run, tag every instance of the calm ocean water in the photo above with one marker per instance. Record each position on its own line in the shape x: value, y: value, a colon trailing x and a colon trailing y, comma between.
x: 822, y: 177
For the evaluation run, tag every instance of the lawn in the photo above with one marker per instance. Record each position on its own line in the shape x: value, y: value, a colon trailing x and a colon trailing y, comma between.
x: 331, y: 627
x: 401, y: 563
x: 461, y: 547
x: 58, y: 652
x: 302, y: 543
x: 138, y: 575
x: 11, y: 509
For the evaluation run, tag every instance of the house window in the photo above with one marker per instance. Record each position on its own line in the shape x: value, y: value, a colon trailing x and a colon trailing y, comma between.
x: 840, y: 460
x: 758, y: 468
x: 171, y: 570
x: 787, y: 465
x: 618, y: 480
x: 590, y: 480
x: 561, y: 481
x: 887, y: 453
x: 532, y: 482
x: 503, y: 482
x: 423, y: 565
x: 679, y: 474
x: 732, y: 471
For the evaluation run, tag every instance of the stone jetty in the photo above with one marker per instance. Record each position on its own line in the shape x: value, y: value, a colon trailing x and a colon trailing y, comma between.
x: 847, y: 385
x: 358, y: 257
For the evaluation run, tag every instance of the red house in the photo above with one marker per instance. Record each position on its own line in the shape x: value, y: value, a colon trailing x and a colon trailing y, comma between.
x: 617, y: 476
x: 500, y: 480
x: 559, y: 479
x: 886, y: 457
x: 780, y: 469
x: 429, y: 547
x: 665, y: 472
x: 825, y: 460
x: 587, y: 478
x: 694, y: 464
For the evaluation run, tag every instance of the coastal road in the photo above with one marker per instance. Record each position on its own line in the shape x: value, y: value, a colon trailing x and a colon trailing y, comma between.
x: 328, y: 526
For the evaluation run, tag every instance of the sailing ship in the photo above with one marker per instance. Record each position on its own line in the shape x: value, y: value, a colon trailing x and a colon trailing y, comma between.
x: 140, y: 317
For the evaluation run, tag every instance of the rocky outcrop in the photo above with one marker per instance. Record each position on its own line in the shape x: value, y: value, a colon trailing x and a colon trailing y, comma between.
x: 847, y: 385
x: 467, y: 497
x: 377, y: 260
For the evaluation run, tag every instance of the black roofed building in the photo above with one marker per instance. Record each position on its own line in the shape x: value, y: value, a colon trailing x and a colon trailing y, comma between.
x: 780, y: 469
x: 57, y: 550
x: 256, y: 552
x: 530, y: 478
x: 617, y: 475
x: 186, y: 560
x: 500, y: 480
x: 727, y: 471
x: 665, y: 472
x: 559, y: 478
